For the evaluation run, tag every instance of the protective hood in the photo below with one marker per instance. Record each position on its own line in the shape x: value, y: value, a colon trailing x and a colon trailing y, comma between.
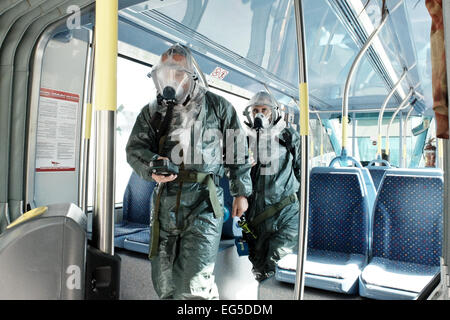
x: 175, y: 76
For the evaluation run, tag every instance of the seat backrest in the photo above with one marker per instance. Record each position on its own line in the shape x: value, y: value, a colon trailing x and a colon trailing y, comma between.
x: 370, y: 188
x: 377, y: 174
x: 137, y: 200
x: 339, y: 212
x: 408, y: 216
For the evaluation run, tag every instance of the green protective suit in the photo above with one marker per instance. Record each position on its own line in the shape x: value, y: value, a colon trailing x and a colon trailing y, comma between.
x: 189, y: 231
x: 277, y: 178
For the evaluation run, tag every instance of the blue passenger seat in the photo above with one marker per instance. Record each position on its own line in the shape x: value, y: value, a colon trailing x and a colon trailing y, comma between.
x: 407, y: 235
x: 338, y: 229
x: 133, y: 233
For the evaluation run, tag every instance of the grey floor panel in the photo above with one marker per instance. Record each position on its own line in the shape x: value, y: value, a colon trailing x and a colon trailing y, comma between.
x: 272, y: 289
x: 135, y: 276
x: 233, y: 277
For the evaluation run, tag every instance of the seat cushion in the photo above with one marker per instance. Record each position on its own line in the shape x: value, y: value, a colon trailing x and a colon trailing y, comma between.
x: 398, y: 275
x: 126, y: 230
x: 324, y: 263
x: 334, y: 264
x: 142, y: 236
x: 326, y: 270
x: 138, y: 242
x: 127, y: 227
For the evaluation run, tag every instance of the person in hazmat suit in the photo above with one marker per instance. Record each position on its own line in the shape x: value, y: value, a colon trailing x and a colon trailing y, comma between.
x: 193, y: 128
x: 273, y: 214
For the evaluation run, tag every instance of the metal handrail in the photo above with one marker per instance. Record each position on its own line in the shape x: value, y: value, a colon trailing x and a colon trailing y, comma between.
x: 361, y: 53
x: 405, y: 126
x: 105, y: 66
x: 380, y: 116
x: 304, y: 152
x: 403, y: 105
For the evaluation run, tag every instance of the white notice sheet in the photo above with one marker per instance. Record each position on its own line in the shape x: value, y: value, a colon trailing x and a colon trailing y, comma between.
x: 56, y: 131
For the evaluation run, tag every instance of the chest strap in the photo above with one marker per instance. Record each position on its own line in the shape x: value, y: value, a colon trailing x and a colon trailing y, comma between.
x: 270, y: 211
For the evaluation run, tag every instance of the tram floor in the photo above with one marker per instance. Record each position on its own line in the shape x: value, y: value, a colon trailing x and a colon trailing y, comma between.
x: 136, y: 283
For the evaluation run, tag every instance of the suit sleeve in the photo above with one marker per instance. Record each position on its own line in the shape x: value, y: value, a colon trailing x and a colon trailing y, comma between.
x: 140, y: 144
x: 237, y: 164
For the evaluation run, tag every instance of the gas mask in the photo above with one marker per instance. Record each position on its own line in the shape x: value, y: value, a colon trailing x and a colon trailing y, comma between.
x: 174, y: 76
x: 260, y: 121
x: 261, y: 112
x: 173, y: 83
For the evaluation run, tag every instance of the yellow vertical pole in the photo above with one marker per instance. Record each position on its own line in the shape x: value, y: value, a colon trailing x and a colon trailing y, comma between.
x: 106, y: 35
x: 304, y: 109
x: 304, y: 152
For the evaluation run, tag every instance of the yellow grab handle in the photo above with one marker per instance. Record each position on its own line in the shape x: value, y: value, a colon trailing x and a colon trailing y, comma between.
x: 88, y: 124
x: 304, y: 109
x: 27, y: 216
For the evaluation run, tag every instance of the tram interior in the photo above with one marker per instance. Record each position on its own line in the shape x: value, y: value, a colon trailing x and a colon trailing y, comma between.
x: 245, y: 46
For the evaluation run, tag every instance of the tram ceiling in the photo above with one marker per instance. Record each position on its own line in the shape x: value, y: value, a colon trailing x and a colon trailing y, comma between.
x: 256, y: 38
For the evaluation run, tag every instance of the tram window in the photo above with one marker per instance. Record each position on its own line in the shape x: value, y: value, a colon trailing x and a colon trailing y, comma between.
x: 430, y: 135
x: 366, y: 136
x: 134, y: 91
x: 337, y: 128
x: 321, y: 152
x: 238, y: 102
